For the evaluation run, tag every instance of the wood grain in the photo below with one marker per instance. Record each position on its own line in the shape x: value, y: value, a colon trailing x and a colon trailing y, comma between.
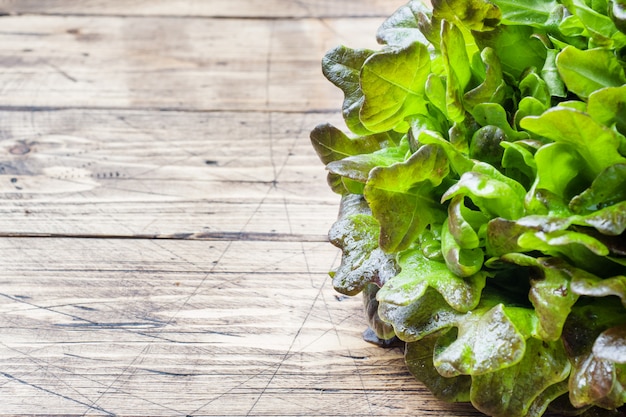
x: 163, y: 63
x: 120, y: 327
x: 203, y: 8
x: 163, y: 217
x: 130, y: 173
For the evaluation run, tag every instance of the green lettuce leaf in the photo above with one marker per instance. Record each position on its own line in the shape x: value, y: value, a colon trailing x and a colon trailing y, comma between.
x: 465, y: 225
x: 356, y: 234
x: 478, y: 15
x: 418, y: 273
x: 419, y: 360
x: 488, y: 339
x: 550, y: 292
x: 592, y: 286
x: 528, y: 13
x: 393, y: 83
x: 427, y: 315
x: 587, y: 71
x: 379, y: 331
x: 513, y: 391
x: 405, y: 26
x: 358, y: 167
x: 331, y: 144
x: 611, y: 345
x: 493, y: 87
x: 597, y: 144
x: 608, y: 107
x: 342, y: 67
x: 608, y: 188
x: 464, y: 262
x: 596, y: 22
x: 515, y: 46
x: 493, y: 114
x: 403, y: 198
x: 457, y: 67
x: 494, y: 193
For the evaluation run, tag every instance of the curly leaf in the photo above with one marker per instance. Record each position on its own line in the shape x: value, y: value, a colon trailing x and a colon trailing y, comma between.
x: 419, y: 360
x: 550, y: 291
x: 532, y: 85
x: 358, y: 167
x: 459, y: 161
x: 461, y: 261
x: 382, y: 331
x: 611, y: 345
x: 514, y: 390
x: 404, y: 26
x: 492, y: 89
x: 593, y: 286
x: 493, y: 114
x: 530, y: 12
x: 489, y: 339
x: 436, y: 93
x: 515, y: 46
x: 518, y: 162
x: 494, y: 193
x: 457, y: 67
x: 594, y: 381
x: 574, y: 246
x: 609, y: 220
x: 608, y: 106
x: 331, y: 144
x: 587, y: 71
x: 596, y: 22
x: 342, y: 67
x: 529, y: 106
x: 427, y: 315
x: 402, y: 196
x: 479, y: 15
x: 464, y: 223
x: 502, y: 236
x: 596, y: 143
x: 550, y: 75
x: 561, y: 172
x: 419, y: 273
x: 362, y: 262
x: 608, y: 188
x: 393, y: 83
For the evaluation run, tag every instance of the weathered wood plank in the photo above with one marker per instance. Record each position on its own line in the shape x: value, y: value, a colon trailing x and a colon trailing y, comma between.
x: 163, y: 63
x: 203, y: 8
x: 130, y: 173
x: 118, y: 327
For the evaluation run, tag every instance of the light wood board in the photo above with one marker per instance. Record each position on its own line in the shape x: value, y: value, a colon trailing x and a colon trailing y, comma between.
x: 163, y: 216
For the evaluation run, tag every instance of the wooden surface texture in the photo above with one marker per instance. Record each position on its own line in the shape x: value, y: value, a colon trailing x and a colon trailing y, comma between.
x: 163, y: 217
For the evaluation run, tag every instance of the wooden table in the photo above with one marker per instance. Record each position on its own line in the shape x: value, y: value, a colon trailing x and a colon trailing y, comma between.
x: 163, y: 219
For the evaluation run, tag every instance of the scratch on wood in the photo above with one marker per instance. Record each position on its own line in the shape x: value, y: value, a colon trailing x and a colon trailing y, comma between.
x: 37, y: 387
x: 63, y: 73
x: 175, y: 374
x: 116, y: 326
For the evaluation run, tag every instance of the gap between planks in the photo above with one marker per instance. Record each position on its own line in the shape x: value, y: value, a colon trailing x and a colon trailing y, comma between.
x: 208, y: 236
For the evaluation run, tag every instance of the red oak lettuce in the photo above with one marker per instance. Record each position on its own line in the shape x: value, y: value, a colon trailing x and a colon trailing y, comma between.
x: 483, y: 187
